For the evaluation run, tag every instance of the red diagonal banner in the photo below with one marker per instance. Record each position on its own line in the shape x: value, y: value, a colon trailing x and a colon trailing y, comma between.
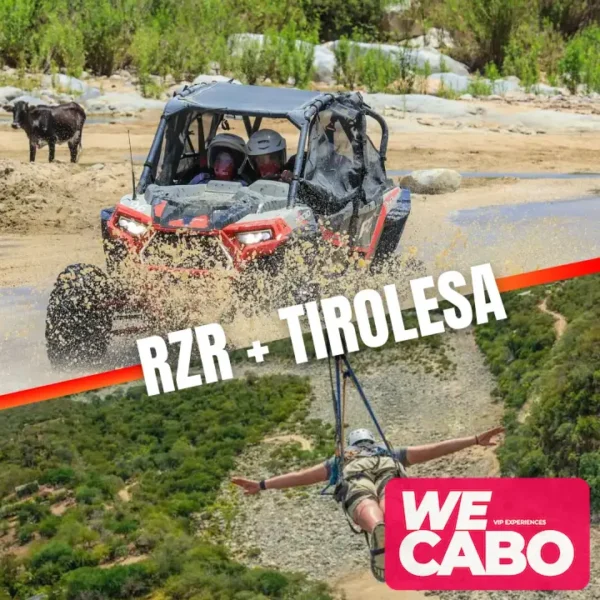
x: 134, y: 373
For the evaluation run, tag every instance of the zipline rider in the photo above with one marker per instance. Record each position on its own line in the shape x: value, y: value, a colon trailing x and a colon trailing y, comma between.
x: 368, y: 467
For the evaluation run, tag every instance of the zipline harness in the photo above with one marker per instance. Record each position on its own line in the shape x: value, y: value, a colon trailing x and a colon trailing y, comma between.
x: 343, y: 372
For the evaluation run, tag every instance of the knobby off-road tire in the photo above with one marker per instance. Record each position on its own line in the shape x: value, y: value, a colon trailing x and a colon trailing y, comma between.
x: 79, y: 318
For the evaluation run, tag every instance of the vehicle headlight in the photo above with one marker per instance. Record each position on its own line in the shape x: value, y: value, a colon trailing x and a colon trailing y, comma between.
x: 254, y: 237
x: 133, y: 227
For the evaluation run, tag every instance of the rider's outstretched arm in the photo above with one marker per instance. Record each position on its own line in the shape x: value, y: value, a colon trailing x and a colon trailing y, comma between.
x: 420, y: 454
x: 308, y: 476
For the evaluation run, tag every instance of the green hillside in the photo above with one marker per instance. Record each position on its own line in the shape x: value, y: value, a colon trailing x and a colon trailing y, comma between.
x: 135, y: 477
x: 560, y: 379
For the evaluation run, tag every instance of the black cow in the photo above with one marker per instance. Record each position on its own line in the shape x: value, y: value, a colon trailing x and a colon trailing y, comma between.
x: 50, y: 125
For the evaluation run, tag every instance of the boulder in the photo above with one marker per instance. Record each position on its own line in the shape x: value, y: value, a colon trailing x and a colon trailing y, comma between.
x: 423, y: 104
x: 67, y: 83
x: 458, y: 83
x: 324, y: 64
x: 432, y: 181
x: 398, y: 23
x: 90, y: 94
x: 122, y: 103
x: 324, y: 56
x: 419, y: 57
x: 8, y: 93
x: 32, y: 100
x: 507, y: 85
x: 434, y: 38
x: 546, y: 90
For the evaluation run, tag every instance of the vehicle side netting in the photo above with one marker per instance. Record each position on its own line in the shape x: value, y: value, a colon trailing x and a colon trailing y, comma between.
x: 184, y: 146
x: 342, y: 165
x: 375, y: 181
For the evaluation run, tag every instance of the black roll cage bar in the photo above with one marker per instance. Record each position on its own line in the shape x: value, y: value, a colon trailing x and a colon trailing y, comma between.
x: 315, y: 107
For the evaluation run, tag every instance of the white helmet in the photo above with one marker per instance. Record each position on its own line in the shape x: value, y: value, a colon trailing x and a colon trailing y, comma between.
x: 267, y: 151
x: 360, y: 435
x: 266, y: 141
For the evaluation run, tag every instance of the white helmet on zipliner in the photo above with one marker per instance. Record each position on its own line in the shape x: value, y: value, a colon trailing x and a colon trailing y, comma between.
x: 360, y: 435
x: 267, y: 152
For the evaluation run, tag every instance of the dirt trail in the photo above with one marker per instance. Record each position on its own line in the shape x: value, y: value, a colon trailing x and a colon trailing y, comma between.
x: 305, y: 444
x: 560, y: 322
x: 560, y: 326
x: 362, y: 586
x: 124, y: 494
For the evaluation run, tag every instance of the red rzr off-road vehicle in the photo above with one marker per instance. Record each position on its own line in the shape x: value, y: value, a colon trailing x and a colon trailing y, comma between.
x: 337, y: 191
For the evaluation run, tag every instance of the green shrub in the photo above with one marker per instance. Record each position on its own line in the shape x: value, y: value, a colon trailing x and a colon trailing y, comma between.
x: 379, y: 70
x: 251, y: 64
x: 447, y: 92
x: 87, y: 495
x: 58, y: 476
x: 31, y: 512
x: 479, y: 87
x: 49, y: 526
x: 106, y: 28
x: 589, y: 469
x: 374, y: 68
x: 523, y: 54
x: 17, y: 21
x: 25, y: 533
x: 491, y: 72
x: 337, y: 18
x: 348, y: 57
x: 54, y: 559
x: 283, y: 55
x: 26, y: 490
x: 61, y: 45
x: 129, y: 581
x: 484, y: 28
x: 581, y: 62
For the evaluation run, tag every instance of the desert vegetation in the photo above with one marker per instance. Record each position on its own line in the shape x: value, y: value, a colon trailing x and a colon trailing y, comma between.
x: 111, y: 494
x: 557, y: 434
x: 556, y: 41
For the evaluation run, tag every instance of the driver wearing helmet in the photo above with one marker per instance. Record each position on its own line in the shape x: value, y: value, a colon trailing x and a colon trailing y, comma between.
x: 267, y: 154
x: 367, y: 469
x: 226, y: 155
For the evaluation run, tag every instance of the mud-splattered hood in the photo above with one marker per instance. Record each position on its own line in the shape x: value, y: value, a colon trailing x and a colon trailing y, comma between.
x: 213, y: 205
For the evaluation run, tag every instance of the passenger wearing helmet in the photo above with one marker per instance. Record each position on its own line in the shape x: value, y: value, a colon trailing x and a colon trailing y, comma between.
x: 267, y: 153
x: 226, y: 156
x: 368, y: 467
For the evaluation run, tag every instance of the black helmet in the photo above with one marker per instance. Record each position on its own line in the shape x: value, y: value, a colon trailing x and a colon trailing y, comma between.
x: 231, y: 143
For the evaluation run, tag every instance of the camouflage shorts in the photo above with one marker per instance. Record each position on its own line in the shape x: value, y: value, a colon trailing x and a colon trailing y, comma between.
x: 366, y: 477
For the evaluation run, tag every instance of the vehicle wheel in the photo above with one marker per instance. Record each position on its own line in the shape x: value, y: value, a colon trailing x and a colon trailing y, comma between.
x: 79, y: 318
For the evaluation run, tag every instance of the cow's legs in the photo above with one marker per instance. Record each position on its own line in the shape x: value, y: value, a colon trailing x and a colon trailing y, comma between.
x: 51, y: 149
x: 75, y: 146
x: 32, y: 150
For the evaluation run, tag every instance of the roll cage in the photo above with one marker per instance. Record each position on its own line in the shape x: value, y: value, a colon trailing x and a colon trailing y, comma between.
x: 218, y: 101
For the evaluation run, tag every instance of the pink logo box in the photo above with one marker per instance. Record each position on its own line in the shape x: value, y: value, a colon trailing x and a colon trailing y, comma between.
x: 487, y: 534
